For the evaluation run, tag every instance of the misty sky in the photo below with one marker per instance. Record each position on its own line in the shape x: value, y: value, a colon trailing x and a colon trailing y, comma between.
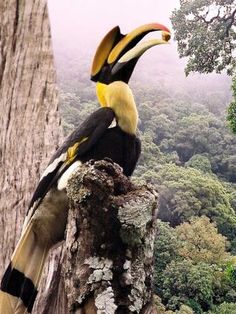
x: 79, y: 25
x: 90, y: 19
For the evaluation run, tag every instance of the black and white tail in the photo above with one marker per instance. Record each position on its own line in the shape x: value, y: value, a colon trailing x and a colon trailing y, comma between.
x: 20, y: 282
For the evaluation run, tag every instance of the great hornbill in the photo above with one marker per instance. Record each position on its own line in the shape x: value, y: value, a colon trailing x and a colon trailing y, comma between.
x: 45, y: 222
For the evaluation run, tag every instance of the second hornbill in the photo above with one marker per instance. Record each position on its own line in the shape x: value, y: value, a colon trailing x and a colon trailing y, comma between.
x: 46, y: 219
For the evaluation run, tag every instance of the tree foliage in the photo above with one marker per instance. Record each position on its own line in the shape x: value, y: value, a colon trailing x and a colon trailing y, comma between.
x: 231, y: 117
x: 187, y: 192
x: 186, y: 282
x: 187, y: 134
x: 188, y: 269
x: 202, y: 242
x: 204, y: 30
x: 224, y: 308
x: 200, y: 162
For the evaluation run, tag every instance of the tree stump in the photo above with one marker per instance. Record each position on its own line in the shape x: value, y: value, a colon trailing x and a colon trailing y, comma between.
x: 107, y: 260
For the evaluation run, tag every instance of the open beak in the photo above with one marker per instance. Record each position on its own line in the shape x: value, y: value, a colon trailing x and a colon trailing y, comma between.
x: 118, y: 54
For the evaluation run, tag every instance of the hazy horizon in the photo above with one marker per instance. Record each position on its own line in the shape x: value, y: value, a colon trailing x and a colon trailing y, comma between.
x: 90, y: 20
x: 78, y: 26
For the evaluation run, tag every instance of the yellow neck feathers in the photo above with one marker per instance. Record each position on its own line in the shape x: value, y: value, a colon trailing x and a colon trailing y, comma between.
x: 118, y: 96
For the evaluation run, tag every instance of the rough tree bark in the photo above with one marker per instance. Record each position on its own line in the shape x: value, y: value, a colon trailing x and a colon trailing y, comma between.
x: 29, y: 119
x: 106, y: 265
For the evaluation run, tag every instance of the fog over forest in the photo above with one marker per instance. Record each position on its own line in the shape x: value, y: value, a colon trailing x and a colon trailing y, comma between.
x: 78, y: 26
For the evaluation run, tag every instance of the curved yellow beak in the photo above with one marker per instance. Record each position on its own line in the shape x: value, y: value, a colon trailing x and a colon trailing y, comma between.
x: 117, y: 54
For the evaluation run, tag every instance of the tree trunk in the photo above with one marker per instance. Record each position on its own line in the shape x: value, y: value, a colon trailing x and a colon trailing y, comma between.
x: 29, y: 119
x: 107, y: 261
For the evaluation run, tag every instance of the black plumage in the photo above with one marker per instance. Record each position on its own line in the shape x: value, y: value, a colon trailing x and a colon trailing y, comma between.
x: 100, y: 142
